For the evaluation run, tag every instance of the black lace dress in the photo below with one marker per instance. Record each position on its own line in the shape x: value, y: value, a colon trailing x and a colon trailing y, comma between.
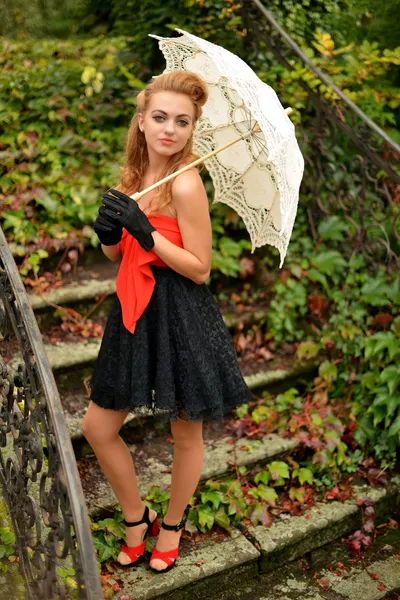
x: 179, y: 362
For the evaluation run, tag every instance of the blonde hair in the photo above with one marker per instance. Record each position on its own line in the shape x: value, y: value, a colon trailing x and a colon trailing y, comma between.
x: 137, y: 159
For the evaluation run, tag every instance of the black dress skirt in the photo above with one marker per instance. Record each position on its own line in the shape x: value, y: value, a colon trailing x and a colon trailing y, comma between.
x: 179, y: 362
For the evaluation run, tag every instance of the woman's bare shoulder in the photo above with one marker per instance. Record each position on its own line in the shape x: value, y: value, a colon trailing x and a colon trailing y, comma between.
x: 187, y: 181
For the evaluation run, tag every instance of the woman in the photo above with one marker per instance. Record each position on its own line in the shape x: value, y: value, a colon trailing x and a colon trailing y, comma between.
x: 165, y: 349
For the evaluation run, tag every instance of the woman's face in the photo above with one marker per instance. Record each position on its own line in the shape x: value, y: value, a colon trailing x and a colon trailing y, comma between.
x: 167, y: 123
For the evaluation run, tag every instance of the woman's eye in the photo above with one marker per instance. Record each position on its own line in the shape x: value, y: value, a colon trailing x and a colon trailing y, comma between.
x: 183, y: 123
x: 157, y: 117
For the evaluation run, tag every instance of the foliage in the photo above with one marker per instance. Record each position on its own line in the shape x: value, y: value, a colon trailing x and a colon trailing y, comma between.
x: 207, y: 18
x: 227, y: 250
x: 370, y: 20
x: 224, y: 503
x: 323, y: 303
x: 7, y: 547
x: 361, y: 538
x: 252, y: 497
x: 64, y: 110
x: 49, y: 18
x: 363, y: 72
x: 71, y: 104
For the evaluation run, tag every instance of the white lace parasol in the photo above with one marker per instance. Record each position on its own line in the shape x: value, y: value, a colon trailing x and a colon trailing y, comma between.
x: 260, y: 175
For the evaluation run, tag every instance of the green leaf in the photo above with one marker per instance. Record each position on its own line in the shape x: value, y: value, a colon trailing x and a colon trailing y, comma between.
x: 268, y: 494
x: 158, y: 494
x: 206, y: 516
x: 242, y: 410
x: 375, y: 292
x: 112, y: 526
x: 222, y: 519
x: 213, y: 497
x: 327, y: 370
x: 260, y: 414
x: 305, y: 476
x: 104, y: 551
x: 315, y: 275
x: 383, y: 340
x: 263, y: 477
x: 332, y: 228
x: 296, y: 494
x: 213, y: 485
x: 308, y: 350
x: 395, y: 428
x: 391, y: 376
x: 328, y: 262
x: 278, y: 470
x: 393, y: 291
x: 316, y: 419
x: 7, y: 536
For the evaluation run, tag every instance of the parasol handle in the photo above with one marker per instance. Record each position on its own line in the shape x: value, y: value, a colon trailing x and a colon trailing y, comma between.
x: 138, y: 195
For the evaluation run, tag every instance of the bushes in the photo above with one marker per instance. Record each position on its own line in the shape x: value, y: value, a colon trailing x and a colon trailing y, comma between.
x: 64, y: 110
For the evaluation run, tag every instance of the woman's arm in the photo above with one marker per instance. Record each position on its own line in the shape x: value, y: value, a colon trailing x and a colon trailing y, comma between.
x: 112, y: 252
x: 191, y: 204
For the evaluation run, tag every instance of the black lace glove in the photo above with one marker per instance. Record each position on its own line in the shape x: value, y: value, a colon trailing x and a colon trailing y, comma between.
x: 108, y: 231
x: 125, y: 211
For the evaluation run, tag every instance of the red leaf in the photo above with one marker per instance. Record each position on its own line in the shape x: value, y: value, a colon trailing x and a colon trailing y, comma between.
x: 265, y: 353
x: 355, y: 546
x: 381, y: 587
x: 324, y: 583
x: 382, y: 320
x: 73, y: 256
x: 369, y: 526
x: 317, y: 304
x: 247, y: 267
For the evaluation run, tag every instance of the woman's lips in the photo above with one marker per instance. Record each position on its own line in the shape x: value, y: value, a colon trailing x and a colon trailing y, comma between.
x: 166, y: 142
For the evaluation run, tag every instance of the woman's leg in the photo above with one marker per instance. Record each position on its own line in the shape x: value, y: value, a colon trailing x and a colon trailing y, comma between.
x: 186, y: 471
x: 100, y: 427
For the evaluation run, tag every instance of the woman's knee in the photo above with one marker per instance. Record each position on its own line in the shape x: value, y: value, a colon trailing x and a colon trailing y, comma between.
x: 100, y: 426
x: 187, y: 434
x: 88, y: 428
x: 96, y: 434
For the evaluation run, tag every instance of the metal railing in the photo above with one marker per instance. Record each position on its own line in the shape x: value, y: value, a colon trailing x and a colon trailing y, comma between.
x: 38, y: 471
x: 365, y: 187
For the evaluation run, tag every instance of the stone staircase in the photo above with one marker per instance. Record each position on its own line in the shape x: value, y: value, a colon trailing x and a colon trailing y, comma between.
x: 217, y: 565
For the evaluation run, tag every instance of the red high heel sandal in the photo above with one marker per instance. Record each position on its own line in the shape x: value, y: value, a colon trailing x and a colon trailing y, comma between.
x: 135, y: 553
x: 170, y: 556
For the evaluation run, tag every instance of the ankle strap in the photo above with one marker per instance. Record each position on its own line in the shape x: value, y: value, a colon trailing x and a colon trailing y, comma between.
x: 177, y: 527
x: 144, y: 519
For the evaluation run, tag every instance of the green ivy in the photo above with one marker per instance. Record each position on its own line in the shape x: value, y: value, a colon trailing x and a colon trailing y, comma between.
x: 64, y: 111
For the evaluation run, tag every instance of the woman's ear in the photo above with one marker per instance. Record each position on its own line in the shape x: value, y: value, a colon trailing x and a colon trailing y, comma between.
x: 140, y: 121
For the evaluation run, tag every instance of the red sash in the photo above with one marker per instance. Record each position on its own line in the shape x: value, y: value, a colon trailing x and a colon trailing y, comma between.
x: 135, y: 280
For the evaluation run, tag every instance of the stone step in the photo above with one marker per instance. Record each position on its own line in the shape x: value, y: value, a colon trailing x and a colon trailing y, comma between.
x: 73, y: 356
x: 71, y: 362
x: 215, y: 566
x: 326, y: 521
x: 65, y: 356
x: 72, y: 293
x: 153, y: 455
x: 80, y: 294
x: 330, y: 572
